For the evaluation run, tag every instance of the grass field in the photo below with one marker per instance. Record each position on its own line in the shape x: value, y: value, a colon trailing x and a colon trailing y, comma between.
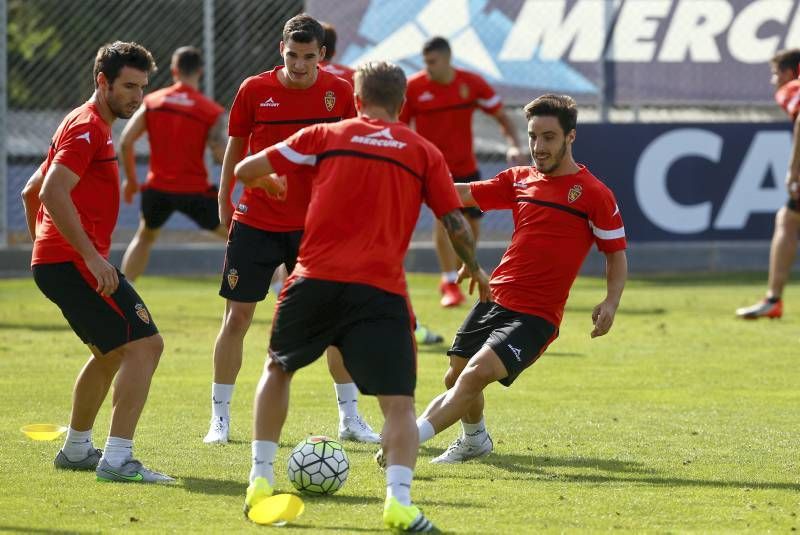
x: 681, y: 419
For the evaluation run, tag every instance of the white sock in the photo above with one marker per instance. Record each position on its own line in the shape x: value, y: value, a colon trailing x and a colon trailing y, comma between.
x: 398, y: 483
x: 449, y: 276
x: 78, y: 444
x: 221, y: 400
x: 426, y: 430
x: 118, y: 451
x: 347, y: 396
x: 263, y: 457
x: 474, y: 433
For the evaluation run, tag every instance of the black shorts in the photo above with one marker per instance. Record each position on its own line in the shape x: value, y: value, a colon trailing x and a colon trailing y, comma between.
x: 251, y: 257
x: 792, y: 204
x: 105, y: 322
x: 202, y: 208
x: 371, y: 327
x: 473, y: 212
x: 518, y: 339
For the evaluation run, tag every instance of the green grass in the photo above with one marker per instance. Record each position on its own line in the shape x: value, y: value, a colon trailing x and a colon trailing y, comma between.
x: 681, y: 419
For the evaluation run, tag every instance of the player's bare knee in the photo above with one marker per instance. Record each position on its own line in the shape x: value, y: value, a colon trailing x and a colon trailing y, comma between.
x: 451, y: 376
x: 237, y: 321
x: 476, y: 376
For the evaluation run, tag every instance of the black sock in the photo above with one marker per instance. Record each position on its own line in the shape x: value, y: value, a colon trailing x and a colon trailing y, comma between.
x: 772, y: 300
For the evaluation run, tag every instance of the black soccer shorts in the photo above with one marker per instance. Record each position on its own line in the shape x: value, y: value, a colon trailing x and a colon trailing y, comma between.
x: 251, y: 257
x: 371, y: 327
x: 518, y: 339
x: 104, y: 322
x: 202, y: 208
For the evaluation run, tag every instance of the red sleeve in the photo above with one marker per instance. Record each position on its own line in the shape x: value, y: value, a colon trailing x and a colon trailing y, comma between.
x: 300, y: 149
x: 788, y: 98
x: 240, y: 122
x: 77, y: 147
x: 496, y: 193
x: 439, y: 192
x: 605, y: 221
x: 488, y: 100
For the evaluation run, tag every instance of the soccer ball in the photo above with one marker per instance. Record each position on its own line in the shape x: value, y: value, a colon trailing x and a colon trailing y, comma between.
x: 318, y: 465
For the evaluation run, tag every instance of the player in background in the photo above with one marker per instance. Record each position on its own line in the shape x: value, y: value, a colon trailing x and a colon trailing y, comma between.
x: 559, y: 210
x: 337, y: 69
x: 179, y: 121
x: 265, y: 231
x: 785, y: 65
x: 378, y: 172
x: 441, y: 100
x: 71, y: 204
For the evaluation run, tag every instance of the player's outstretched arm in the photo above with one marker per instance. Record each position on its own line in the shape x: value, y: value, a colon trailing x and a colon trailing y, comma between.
x: 256, y: 171
x: 31, y: 202
x: 134, y: 129
x: 55, y: 195
x: 234, y: 152
x: 464, y: 245
x: 616, y: 274
x: 465, y: 194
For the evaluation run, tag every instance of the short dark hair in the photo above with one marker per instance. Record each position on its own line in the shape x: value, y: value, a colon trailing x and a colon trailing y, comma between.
x: 787, y: 59
x: 329, y: 42
x: 303, y: 28
x: 436, y: 44
x: 381, y: 83
x: 112, y: 57
x: 562, y: 107
x: 188, y: 60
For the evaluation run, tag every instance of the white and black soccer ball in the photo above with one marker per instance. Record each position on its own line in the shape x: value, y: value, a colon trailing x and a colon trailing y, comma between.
x: 318, y: 465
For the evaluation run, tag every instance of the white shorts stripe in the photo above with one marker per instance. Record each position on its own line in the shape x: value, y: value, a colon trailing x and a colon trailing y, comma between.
x: 489, y: 102
x: 295, y: 157
x: 608, y: 234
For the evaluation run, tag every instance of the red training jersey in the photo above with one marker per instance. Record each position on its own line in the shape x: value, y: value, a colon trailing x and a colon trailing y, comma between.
x: 83, y: 144
x: 556, y: 220
x: 788, y: 97
x: 337, y: 69
x: 369, y: 181
x: 178, y: 119
x: 442, y: 113
x: 266, y: 112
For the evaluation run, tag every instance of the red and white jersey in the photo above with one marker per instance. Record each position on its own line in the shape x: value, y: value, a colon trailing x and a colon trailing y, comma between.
x: 556, y: 220
x: 178, y: 120
x: 337, y: 69
x: 369, y: 179
x: 442, y: 113
x: 266, y: 112
x: 788, y: 97
x: 83, y: 144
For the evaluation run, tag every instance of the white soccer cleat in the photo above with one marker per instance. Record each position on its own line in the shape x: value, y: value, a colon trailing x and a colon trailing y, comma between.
x: 356, y: 429
x: 461, y: 451
x: 219, y: 431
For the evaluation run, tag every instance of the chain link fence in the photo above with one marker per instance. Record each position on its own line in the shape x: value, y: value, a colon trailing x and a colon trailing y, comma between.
x: 602, y: 51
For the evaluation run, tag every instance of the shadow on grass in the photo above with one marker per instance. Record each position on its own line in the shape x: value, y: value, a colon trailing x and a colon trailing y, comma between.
x: 534, y: 463
x: 34, y: 327
x: 203, y: 485
x: 20, y: 529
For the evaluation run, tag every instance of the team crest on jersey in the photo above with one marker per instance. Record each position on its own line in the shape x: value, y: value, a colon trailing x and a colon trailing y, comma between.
x: 233, y: 278
x: 141, y: 311
x: 574, y: 192
x: 330, y: 100
x: 463, y: 91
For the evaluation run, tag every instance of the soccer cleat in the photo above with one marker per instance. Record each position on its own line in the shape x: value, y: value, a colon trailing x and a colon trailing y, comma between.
x: 257, y: 491
x: 461, y: 450
x: 762, y: 309
x: 90, y: 462
x: 426, y: 336
x: 406, y: 518
x: 451, y: 294
x: 131, y: 471
x: 356, y: 429
x: 219, y: 431
x: 380, y: 459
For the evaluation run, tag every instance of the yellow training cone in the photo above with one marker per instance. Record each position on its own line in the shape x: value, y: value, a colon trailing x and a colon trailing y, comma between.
x: 277, y: 510
x: 43, y: 431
